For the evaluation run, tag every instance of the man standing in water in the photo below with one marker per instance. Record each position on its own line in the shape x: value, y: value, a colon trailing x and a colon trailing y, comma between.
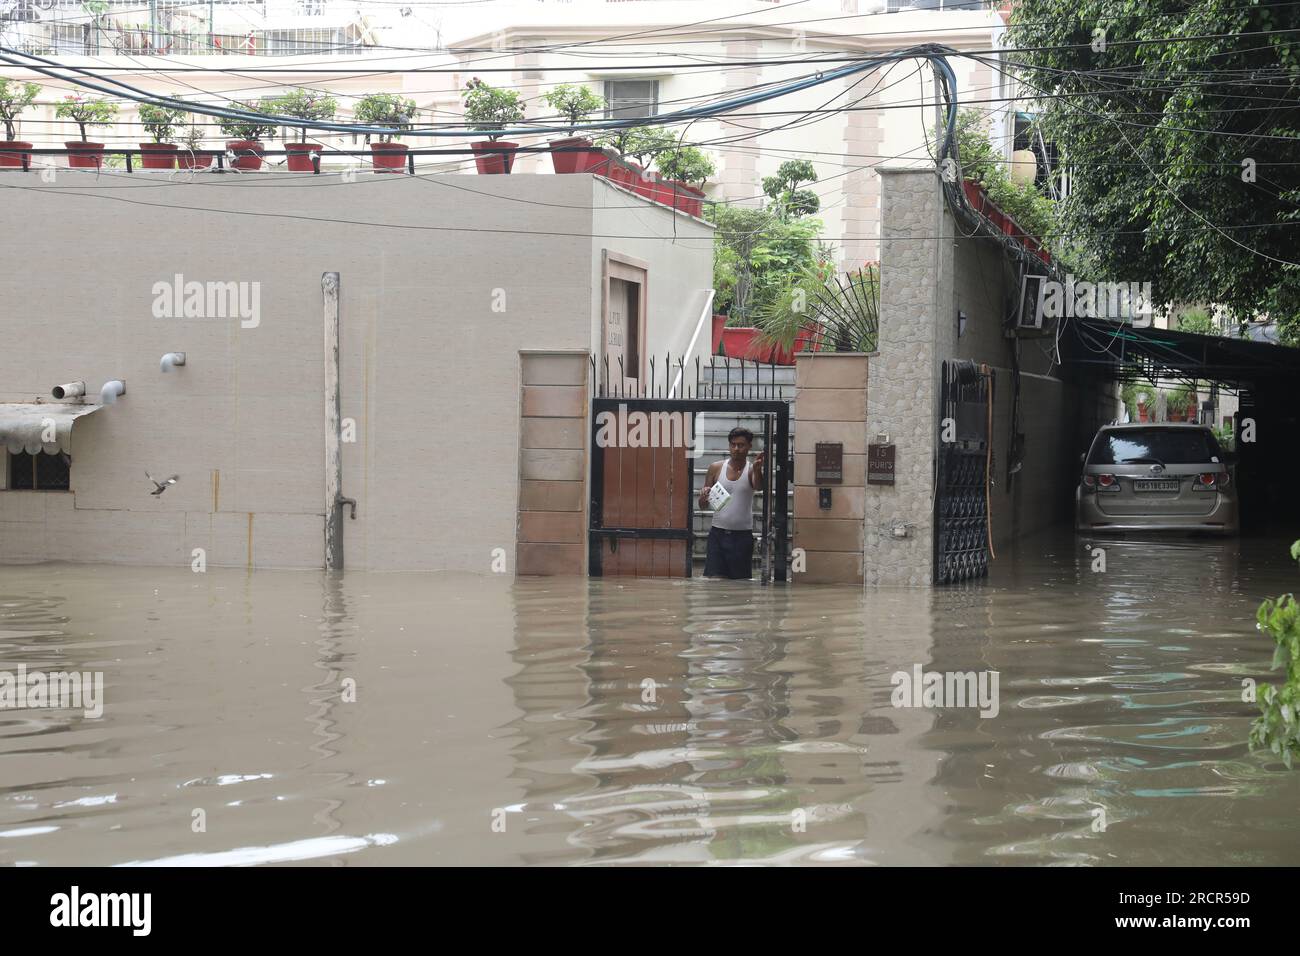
x: 731, y: 538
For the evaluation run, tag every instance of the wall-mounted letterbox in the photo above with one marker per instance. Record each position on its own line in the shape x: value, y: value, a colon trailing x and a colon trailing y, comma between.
x: 829, y: 461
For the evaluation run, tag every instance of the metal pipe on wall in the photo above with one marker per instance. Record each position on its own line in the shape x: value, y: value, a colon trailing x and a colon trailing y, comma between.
x: 333, y: 434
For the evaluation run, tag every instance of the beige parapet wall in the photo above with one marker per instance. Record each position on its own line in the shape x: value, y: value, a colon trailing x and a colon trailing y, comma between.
x: 831, y: 406
x: 444, y: 280
x: 553, y: 465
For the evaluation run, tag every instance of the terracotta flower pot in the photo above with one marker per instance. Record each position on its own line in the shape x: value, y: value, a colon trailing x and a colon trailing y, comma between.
x: 83, y: 155
x: 644, y: 183
x: 299, y: 158
x: 690, y: 200
x: 188, y: 159
x: 157, y: 155
x: 718, y: 322
x: 663, y: 192
x: 575, y: 154
x: 494, y: 158
x: 974, y: 194
x: 12, y: 153
x: 627, y: 174
x: 741, y: 341
x: 248, y: 153
x: 388, y: 157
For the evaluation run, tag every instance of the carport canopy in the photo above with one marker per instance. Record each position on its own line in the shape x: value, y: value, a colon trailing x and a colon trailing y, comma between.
x: 1174, y: 354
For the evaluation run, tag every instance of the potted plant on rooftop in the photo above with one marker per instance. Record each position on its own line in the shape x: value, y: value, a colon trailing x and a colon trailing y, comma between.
x: 395, y: 114
x: 160, y: 122
x: 684, y: 166
x: 14, y: 98
x: 247, y: 131
x: 575, y: 102
x: 487, y: 109
x: 310, y: 105
x: 85, y: 113
x: 189, y: 156
x: 643, y: 143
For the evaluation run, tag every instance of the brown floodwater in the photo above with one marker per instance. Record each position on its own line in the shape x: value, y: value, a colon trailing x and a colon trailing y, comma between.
x: 293, y: 717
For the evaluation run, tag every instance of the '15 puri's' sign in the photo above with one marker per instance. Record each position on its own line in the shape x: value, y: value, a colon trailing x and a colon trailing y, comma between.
x: 880, y: 464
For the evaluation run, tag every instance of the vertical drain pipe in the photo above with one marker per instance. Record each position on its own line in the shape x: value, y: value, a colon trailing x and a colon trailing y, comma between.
x: 333, y: 435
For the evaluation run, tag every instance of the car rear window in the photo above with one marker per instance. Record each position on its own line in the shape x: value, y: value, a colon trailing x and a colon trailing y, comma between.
x: 1169, y: 446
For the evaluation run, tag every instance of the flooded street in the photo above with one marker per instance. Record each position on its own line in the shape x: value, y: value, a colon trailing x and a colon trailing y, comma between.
x: 453, y: 719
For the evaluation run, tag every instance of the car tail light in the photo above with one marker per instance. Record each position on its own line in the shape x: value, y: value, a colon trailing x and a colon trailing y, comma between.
x: 1089, y: 482
x: 1211, y: 481
x: 1107, y: 483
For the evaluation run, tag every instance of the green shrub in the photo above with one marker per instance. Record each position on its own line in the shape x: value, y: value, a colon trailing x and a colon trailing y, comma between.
x: 1278, y: 726
x: 86, y: 113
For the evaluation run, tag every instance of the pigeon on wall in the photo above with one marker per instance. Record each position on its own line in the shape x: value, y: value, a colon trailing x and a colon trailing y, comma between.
x: 161, y: 486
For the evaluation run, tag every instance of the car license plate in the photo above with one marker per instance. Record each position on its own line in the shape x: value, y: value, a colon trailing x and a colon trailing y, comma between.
x: 1166, y: 484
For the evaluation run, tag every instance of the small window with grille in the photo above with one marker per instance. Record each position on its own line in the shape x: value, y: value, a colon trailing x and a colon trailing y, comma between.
x: 39, y: 472
x: 626, y: 99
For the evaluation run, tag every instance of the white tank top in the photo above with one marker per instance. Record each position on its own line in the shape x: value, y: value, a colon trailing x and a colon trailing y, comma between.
x: 738, y: 513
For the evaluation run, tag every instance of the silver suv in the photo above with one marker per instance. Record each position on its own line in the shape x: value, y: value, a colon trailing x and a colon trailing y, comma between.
x: 1169, y: 476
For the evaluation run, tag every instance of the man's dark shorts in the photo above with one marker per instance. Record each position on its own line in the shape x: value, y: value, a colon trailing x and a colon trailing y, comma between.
x: 730, y: 554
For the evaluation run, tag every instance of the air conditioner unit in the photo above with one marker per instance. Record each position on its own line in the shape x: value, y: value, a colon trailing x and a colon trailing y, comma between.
x: 1029, y: 315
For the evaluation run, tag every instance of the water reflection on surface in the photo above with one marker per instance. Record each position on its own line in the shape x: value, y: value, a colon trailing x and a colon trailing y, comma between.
x: 568, y: 721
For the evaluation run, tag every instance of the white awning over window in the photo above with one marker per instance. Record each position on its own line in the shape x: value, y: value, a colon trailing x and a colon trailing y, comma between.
x: 25, y: 427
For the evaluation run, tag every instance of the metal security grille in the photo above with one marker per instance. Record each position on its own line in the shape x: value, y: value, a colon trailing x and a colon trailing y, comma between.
x: 961, y: 540
x: 642, y: 493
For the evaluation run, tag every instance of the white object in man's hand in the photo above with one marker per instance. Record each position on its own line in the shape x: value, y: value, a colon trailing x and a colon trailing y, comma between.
x: 718, y: 497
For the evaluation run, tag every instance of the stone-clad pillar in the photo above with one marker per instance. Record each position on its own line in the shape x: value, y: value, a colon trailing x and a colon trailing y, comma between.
x: 903, y: 399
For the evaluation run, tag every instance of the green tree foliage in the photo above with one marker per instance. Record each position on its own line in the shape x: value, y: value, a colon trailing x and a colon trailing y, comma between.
x: 86, y: 113
x: 303, y: 105
x: 1184, y: 146
x: 686, y: 164
x: 160, y: 122
x: 1278, y: 726
x: 14, y: 98
x: 393, y: 111
x: 983, y: 164
x: 783, y: 189
x: 1197, y: 321
x: 755, y: 254
x: 251, y: 128
x: 642, y: 143
x: 575, y: 102
x: 488, y: 108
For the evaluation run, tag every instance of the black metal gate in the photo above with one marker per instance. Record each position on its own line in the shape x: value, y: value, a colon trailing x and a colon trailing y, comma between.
x: 961, y: 503
x: 642, y: 504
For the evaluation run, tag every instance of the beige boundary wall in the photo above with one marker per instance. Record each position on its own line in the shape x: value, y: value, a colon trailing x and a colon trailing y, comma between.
x: 831, y: 405
x: 444, y: 281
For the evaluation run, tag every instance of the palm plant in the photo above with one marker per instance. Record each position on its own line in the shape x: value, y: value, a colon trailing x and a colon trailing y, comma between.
x: 836, y: 313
